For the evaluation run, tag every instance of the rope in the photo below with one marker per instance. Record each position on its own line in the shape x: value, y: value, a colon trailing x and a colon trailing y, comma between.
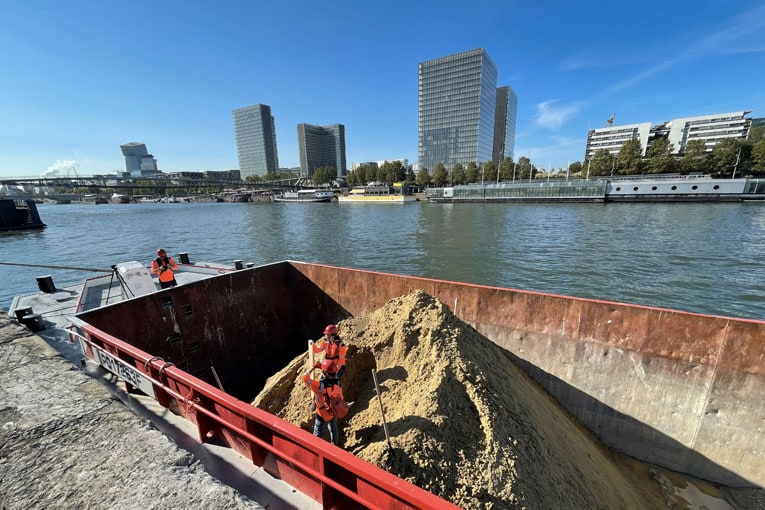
x: 96, y: 270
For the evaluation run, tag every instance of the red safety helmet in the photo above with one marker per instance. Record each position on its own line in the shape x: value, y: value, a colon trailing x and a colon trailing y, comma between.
x: 161, y: 252
x: 330, y: 330
x: 328, y: 366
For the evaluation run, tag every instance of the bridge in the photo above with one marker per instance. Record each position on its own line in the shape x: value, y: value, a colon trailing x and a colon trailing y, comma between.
x: 73, y: 188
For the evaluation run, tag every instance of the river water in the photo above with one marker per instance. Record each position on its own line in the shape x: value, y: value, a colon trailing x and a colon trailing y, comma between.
x: 705, y: 258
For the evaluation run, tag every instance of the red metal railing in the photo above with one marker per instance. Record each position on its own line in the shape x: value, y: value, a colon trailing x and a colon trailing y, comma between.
x: 325, y: 473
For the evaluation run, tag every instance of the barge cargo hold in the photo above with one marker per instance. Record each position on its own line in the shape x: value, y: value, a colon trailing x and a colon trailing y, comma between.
x: 676, y: 389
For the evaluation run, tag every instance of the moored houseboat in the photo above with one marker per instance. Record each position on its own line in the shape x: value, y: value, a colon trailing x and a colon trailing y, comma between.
x: 305, y: 195
x: 378, y: 194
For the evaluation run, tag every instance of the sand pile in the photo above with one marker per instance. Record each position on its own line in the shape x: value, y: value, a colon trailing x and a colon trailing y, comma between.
x: 465, y: 422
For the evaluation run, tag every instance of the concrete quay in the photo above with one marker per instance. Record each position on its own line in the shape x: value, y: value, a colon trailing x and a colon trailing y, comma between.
x: 73, y: 438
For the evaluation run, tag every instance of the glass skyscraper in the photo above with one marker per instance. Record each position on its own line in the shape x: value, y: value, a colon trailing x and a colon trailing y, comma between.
x: 255, y: 132
x: 504, y: 125
x: 321, y: 146
x: 457, y: 114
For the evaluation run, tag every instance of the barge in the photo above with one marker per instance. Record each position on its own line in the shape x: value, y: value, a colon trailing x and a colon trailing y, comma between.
x: 675, y: 389
x: 618, y: 189
x: 19, y: 215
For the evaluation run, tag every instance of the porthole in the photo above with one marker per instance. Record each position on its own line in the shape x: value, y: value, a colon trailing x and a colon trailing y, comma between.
x: 674, y: 188
x: 635, y: 188
x: 618, y: 188
x: 716, y: 186
x: 694, y: 188
x: 654, y: 188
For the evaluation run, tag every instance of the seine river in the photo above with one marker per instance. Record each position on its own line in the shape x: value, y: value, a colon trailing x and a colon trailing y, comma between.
x: 705, y: 258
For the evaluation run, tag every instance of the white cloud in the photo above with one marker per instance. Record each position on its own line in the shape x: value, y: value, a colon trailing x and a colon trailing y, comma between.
x: 552, y: 116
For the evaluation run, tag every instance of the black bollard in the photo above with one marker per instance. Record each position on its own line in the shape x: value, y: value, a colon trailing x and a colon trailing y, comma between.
x: 34, y: 322
x: 184, y: 257
x: 21, y: 312
x: 45, y: 284
x: 238, y: 264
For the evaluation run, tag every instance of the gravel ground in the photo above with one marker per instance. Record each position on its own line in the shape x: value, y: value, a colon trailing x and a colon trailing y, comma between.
x: 66, y: 441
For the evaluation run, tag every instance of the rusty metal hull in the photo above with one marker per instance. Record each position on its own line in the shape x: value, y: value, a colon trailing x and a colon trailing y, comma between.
x: 681, y: 390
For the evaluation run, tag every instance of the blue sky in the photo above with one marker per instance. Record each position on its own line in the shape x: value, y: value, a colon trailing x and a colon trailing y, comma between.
x: 80, y: 78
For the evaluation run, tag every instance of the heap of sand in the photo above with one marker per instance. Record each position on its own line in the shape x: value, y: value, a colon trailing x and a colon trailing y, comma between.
x: 465, y: 422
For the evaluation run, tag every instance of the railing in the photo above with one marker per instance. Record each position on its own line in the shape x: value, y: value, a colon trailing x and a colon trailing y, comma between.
x: 325, y: 473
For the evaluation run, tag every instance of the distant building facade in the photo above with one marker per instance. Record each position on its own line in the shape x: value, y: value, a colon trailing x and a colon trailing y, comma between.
x: 255, y: 132
x: 504, y: 125
x: 679, y: 132
x: 138, y: 161
x: 458, y: 118
x: 321, y: 146
x: 612, y: 138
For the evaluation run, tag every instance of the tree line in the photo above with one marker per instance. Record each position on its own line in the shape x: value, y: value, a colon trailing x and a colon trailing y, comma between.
x: 730, y: 157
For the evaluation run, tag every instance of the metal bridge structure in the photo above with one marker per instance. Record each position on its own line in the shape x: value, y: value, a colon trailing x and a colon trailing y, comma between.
x: 69, y: 188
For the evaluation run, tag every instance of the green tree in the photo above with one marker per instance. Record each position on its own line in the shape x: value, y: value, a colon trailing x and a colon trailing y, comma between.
x: 423, y: 178
x: 695, y: 158
x: 660, y: 160
x: 575, y: 168
x: 629, y: 160
x: 440, y: 176
x: 458, y: 175
x: 725, y: 156
x: 524, y: 168
x: 756, y: 133
x: 352, y: 178
x: 471, y: 174
x: 601, y: 164
x: 323, y: 175
x: 758, y: 157
x: 410, y: 177
x: 506, y: 169
x: 489, y: 172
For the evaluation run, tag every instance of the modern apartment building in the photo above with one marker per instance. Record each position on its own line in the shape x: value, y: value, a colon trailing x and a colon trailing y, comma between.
x: 612, y: 138
x: 458, y: 117
x: 138, y: 161
x: 321, y: 146
x: 709, y: 128
x: 255, y: 132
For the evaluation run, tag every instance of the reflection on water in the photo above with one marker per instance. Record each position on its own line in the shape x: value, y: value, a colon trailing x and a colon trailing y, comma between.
x: 705, y: 258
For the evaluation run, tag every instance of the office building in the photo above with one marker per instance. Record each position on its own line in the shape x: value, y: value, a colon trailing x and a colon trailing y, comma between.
x: 708, y: 128
x: 504, y: 125
x: 138, y: 161
x: 458, y: 118
x: 255, y: 132
x: 321, y: 146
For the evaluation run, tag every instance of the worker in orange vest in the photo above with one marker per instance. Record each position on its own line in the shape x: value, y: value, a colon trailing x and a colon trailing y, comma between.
x: 333, y: 348
x: 163, y: 266
x: 324, y: 390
